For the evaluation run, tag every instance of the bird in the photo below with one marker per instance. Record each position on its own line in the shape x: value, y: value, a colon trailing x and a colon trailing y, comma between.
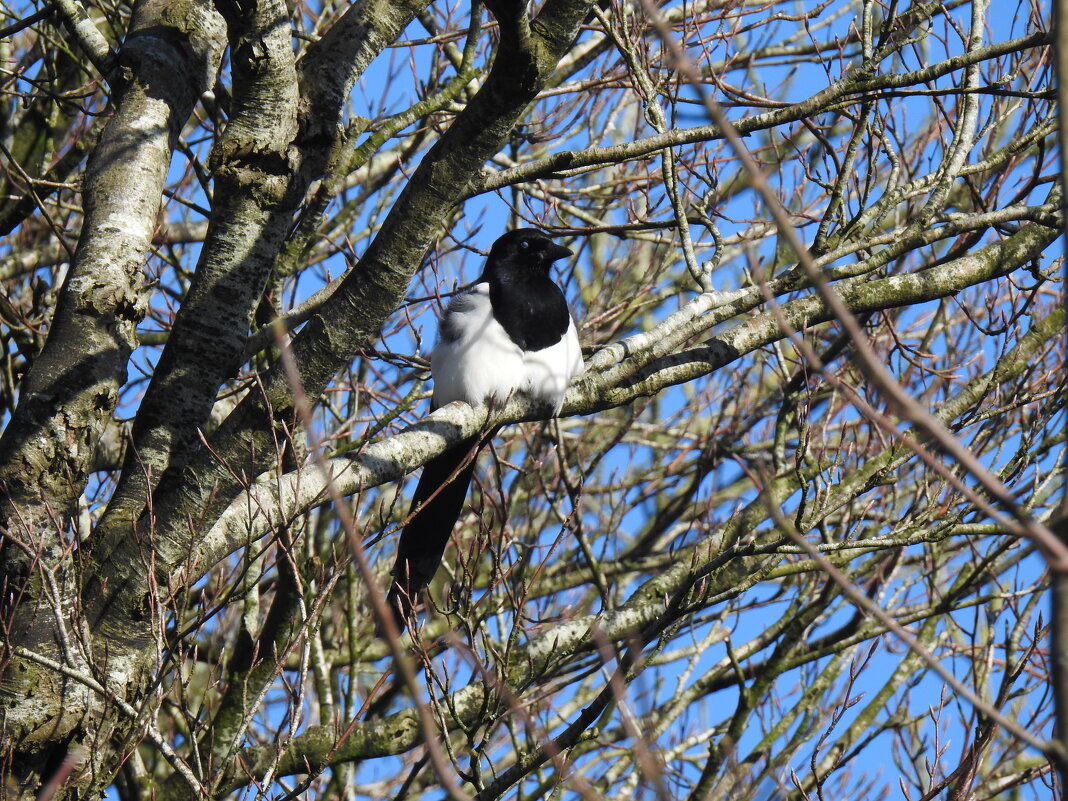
x: 510, y: 332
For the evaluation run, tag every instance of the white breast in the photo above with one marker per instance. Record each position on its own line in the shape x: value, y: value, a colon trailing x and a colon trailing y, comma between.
x: 549, y: 371
x: 475, y: 359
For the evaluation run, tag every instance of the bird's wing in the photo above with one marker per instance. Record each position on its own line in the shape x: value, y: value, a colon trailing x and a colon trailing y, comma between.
x: 462, y: 309
x: 474, y: 359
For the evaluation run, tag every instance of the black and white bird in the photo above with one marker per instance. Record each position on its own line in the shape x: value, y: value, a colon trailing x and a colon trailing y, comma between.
x: 511, y: 332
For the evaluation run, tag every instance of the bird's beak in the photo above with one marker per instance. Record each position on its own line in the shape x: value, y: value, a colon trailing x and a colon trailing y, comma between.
x: 554, y: 252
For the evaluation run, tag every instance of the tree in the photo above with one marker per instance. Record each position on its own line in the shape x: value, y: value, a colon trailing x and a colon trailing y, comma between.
x: 790, y: 536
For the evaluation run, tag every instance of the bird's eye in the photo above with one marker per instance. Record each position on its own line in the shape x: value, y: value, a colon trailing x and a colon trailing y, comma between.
x: 524, y: 244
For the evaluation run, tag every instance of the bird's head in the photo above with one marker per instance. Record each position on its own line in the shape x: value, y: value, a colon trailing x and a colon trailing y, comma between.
x: 526, y: 248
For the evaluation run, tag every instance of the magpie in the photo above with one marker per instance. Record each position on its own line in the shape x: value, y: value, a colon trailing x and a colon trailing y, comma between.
x: 511, y: 332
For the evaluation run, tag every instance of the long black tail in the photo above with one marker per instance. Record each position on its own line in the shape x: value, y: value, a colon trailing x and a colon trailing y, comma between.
x: 423, y: 541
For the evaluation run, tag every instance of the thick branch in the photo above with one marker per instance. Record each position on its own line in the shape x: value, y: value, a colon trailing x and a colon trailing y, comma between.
x: 253, y: 203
